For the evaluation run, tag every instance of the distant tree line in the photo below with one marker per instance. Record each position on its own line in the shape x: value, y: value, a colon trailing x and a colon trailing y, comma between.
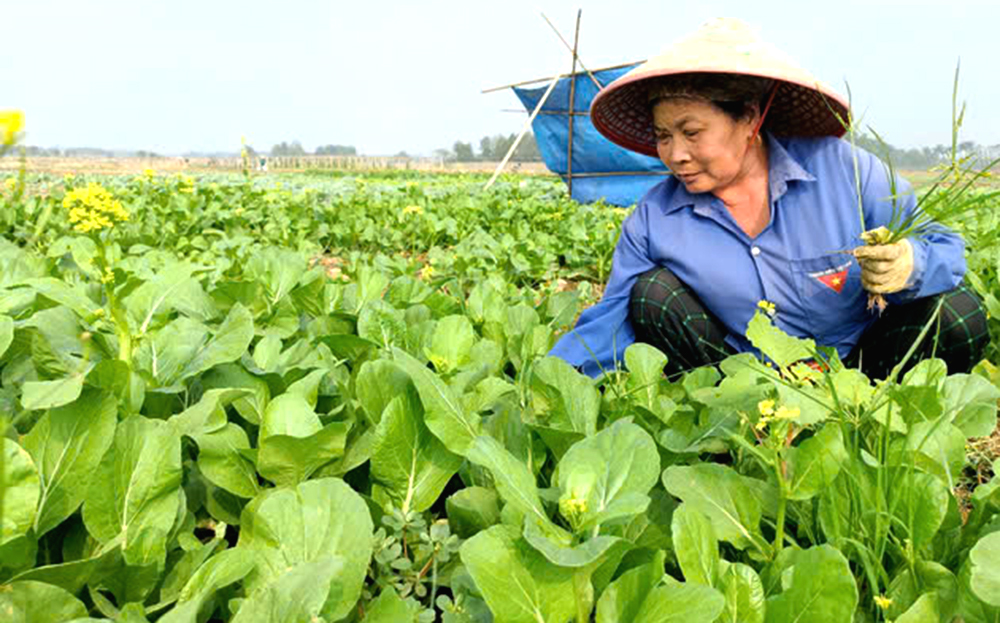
x: 336, y: 150
x: 924, y: 157
x: 295, y: 149
x: 493, y: 148
x: 36, y: 152
x: 288, y: 149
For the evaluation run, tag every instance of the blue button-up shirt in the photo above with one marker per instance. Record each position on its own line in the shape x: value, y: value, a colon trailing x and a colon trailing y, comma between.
x: 796, y: 262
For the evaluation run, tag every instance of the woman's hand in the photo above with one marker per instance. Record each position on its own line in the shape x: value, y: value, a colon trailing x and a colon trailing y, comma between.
x: 885, y: 268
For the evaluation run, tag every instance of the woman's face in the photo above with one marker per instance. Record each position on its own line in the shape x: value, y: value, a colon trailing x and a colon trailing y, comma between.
x: 700, y: 143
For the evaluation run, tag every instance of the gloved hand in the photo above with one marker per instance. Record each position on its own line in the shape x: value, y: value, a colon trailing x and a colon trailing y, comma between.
x: 885, y: 268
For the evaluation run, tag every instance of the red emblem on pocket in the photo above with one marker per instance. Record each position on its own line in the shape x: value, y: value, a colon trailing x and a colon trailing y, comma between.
x: 834, y: 278
x: 835, y: 281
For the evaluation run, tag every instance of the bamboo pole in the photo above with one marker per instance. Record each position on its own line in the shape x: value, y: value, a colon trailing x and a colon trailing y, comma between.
x: 566, y: 43
x: 617, y: 173
x: 572, y: 102
x: 547, y: 78
x: 524, y: 130
x: 548, y: 112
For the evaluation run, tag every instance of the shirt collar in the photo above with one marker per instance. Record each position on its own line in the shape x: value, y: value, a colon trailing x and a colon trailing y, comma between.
x: 782, y: 168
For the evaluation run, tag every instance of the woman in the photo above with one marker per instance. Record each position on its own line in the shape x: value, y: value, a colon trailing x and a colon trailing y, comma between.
x: 761, y: 211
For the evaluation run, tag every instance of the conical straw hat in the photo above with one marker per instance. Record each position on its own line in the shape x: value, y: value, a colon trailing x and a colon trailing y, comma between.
x: 801, y: 107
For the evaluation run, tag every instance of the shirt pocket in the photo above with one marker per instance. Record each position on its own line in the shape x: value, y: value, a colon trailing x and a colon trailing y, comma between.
x: 830, y: 292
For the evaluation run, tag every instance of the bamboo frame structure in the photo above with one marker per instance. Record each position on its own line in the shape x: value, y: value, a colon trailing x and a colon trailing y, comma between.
x: 569, y: 175
x: 524, y: 130
x: 548, y: 112
x: 525, y: 83
x: 617, y: 173
x: 572, y: 102
x: 573, y: 49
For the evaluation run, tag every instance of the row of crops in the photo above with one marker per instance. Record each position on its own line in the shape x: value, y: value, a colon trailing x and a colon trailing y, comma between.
x: 320, y: 398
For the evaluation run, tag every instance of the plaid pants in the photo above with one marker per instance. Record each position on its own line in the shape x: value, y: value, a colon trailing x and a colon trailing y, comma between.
x: 667, y: 314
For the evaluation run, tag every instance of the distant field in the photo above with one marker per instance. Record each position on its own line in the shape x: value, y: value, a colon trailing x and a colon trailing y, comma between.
x: 922, y: 179
x: 126, y: 166
x: 133, y: 166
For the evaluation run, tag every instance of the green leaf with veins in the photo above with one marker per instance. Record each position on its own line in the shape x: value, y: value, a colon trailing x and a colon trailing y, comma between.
x: 518, y: 583
x: 719, y: 493
x: 409, y: 464
x: 608, y: 475
x: 67, y: 445
x: 134, y: 494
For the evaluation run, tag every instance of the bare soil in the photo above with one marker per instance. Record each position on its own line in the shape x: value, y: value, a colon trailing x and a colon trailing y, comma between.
x: 980, y: 455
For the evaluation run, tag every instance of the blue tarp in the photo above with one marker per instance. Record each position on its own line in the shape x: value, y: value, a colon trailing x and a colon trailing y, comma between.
x: 592, y: 153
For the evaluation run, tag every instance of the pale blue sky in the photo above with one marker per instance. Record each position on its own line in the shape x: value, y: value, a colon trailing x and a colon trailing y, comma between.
x: 393, y: 75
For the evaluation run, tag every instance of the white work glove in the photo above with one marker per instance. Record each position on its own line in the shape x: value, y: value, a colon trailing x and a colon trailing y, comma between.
x: 886, y: 268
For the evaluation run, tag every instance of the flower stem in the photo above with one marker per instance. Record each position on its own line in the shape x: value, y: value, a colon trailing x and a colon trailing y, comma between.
x: 779, y: 527
x: 780, y: 531
x: 584, y: 596
x: 124, y: 337
x: 118, y: 315
x: 3, y: 434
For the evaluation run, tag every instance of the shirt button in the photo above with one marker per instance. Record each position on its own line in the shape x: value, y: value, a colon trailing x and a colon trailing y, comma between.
x: 755, y: 251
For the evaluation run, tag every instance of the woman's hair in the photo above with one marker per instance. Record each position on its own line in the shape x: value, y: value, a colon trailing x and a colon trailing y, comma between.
x: 735, y: 94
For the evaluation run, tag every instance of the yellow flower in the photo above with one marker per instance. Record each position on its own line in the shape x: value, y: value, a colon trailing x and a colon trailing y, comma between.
x: 883, y: 602
x: 574, y: 505
x: 766, y: 407
x: 149, y: 173
x: 414, y: 209
x: 11, y: 122
x: 762, y: 423
x: 10, y: 183
x: 428, y: 272
x: 767, y: 307
x: 93, y: 208
x: 186, y: 185
x: 784, y: 413
x: 621, y: 212
x: 611, y: 226
x: 108, y: 276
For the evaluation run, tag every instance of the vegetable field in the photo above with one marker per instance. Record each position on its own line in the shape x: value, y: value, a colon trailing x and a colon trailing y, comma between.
x: 312, y: 398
